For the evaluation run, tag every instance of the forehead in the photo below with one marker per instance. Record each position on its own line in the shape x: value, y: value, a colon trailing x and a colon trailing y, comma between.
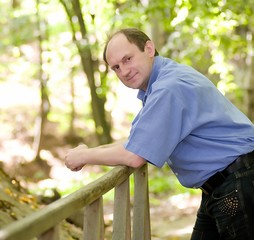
x: 119, y: 47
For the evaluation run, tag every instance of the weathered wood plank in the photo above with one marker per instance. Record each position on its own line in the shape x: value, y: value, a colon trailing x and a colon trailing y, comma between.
x: 51, y: 234
x: 93, y: 221
x: 122, y: 221
x: 141, y: 210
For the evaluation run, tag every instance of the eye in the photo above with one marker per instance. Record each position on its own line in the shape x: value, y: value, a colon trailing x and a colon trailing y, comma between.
x: 126, y: 59
x: 115, y: 68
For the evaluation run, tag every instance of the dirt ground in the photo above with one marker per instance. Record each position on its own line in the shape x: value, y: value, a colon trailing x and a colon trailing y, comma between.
x: 174, y: 218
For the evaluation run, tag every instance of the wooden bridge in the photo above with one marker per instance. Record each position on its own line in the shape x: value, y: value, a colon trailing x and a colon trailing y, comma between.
x: 128, y: 222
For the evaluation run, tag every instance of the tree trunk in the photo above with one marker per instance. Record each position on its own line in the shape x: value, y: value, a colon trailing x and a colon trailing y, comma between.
x: 248, y: 100
x: 102, y: 126
x: 44, y: 107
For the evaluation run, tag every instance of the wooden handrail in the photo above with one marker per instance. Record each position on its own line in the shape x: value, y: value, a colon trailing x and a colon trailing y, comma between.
x: 44, y: 222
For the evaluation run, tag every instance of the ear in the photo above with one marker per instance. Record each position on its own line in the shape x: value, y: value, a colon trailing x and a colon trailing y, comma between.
x: 150, y: 48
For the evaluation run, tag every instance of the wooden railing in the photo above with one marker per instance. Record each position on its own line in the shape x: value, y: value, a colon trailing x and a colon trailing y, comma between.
x: 44, y: 223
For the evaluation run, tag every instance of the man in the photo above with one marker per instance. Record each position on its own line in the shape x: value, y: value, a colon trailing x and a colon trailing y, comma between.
x: 188, y: 124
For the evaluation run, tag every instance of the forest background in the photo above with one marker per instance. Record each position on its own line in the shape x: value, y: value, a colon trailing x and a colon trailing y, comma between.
x: 56, y: 92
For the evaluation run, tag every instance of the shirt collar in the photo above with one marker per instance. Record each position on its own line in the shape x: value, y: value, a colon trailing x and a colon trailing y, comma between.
x: 142, y: 95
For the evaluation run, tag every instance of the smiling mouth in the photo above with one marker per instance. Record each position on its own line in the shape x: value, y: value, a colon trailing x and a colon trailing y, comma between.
x: 131, y: 78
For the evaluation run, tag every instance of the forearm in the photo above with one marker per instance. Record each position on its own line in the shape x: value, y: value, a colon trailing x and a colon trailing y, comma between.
x: 108, y: 155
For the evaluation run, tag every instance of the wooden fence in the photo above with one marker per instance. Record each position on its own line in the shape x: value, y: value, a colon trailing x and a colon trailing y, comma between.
x: 44, y: 224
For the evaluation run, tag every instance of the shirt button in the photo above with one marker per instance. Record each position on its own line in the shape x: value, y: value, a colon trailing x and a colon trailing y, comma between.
x: 176, y: 174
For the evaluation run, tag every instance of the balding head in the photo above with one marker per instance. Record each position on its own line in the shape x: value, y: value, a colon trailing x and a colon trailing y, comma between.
x: 134, y: 36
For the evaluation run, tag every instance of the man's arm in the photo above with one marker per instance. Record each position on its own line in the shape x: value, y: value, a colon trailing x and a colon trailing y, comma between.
x: 108, y: 155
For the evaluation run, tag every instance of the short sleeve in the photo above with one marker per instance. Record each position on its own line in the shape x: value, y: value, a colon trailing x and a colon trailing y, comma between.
x: 159, y: 127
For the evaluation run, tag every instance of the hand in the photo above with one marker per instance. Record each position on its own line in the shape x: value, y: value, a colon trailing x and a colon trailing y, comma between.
x: 74, y: 160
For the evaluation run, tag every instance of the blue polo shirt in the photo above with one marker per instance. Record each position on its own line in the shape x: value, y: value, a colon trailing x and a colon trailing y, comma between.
x: 188, y: 124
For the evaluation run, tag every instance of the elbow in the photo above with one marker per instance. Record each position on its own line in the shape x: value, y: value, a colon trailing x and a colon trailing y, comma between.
x: 137, y: 162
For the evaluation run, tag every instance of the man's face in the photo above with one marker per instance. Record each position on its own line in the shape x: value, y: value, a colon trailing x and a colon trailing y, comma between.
x: 132, y: 66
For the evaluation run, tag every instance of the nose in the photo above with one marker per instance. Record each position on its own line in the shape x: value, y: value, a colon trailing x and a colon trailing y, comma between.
x: 125, y: 71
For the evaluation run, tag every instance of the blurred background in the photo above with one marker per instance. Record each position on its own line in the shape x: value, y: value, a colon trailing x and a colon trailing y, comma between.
x: 56, y: 92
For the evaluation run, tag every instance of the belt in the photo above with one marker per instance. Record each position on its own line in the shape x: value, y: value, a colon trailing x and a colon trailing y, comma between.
x: 218, y: 178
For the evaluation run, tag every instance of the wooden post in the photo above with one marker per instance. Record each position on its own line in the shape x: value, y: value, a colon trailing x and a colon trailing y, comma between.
x: 141, y: 208
x: 122, y: 222
x: 94, y: 221
x: 51, y: 234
